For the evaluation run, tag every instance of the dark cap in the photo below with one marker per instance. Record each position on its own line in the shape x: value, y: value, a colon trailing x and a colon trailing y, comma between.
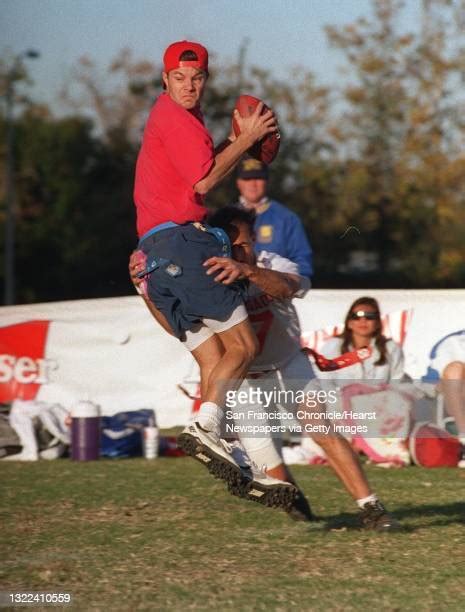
x: 172, y: 56
x: 251, y: 168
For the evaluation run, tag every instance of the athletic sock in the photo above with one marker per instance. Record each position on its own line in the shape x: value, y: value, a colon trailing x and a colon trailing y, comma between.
x: 367, y: 500
x: 209, y: 416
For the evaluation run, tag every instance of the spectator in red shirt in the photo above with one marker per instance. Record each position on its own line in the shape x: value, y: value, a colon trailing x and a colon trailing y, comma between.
x: 176, y: 167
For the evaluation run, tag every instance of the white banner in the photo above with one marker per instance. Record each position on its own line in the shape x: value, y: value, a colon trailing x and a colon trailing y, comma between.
x: 112, y: 352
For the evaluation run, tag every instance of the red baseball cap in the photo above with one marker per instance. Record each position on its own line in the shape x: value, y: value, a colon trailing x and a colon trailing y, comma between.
x: 171, y: 58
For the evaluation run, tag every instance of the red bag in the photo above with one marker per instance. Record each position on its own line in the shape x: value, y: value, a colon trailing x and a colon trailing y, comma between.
x: 431, y: 446
x: 169, y: 447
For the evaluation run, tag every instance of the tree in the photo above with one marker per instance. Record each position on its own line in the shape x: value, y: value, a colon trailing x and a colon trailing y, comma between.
x: 376, y: 170
x: 400, y: 134
x: 116, y: 100
x: 75, y: 224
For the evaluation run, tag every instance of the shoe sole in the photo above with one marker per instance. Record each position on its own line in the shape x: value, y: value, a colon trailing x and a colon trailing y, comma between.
x: 272, y: 496
x: 382, y: 528
x: 390, y: 529
x: 217, y: 465
x: 397, y: 527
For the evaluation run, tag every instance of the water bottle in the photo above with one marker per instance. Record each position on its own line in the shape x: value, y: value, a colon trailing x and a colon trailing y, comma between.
x: 150, y: 440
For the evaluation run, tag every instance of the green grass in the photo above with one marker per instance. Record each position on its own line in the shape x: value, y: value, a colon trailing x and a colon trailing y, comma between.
x: 163, y: 535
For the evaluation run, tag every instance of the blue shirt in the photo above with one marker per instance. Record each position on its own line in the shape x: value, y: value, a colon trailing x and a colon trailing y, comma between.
x: 279, y: 230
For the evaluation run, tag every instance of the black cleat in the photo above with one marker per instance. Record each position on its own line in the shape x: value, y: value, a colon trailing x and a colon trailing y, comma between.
x: 375, y: 517
x: 300, y: 509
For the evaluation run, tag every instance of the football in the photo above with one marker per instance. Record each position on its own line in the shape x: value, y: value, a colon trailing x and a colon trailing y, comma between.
x: 267, y: 148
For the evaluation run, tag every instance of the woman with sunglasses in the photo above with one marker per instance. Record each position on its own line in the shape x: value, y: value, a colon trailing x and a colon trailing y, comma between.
x: 382, y: 438
x: 363, y: 329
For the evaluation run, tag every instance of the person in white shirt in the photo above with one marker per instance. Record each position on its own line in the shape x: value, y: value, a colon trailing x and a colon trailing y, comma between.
x: 272, y: 282
x: 374, y: 386
x: 362, y: 329
x: 448, y: 363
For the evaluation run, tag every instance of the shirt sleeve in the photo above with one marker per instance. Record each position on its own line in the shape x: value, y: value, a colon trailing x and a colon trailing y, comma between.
x: 299, y: 246
x: 330, y: 349
x: 450, y: 349
x: 276, y: 262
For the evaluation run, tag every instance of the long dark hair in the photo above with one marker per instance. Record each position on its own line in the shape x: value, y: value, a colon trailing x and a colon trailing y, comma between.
x: 380, y: 339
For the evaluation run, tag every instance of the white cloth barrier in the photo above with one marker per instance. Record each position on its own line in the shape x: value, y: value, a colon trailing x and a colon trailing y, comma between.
x: 111, y: 351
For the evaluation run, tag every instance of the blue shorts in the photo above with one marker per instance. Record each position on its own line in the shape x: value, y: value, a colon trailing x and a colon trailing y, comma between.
x: 180, y: 286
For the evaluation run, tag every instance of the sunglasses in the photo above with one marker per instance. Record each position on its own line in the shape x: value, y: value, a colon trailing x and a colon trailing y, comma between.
x: 363, y: 314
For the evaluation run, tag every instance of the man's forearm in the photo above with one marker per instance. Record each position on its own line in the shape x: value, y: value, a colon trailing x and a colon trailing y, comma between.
x: 222, y: 145
x: 279, y: 285
x: 226, y: 158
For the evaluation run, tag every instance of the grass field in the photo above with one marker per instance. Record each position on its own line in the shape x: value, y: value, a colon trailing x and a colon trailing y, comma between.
x: 163, y: 535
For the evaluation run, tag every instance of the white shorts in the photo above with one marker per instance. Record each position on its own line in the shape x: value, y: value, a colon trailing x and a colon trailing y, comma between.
x: 209, y: 327
x: 296, y: 375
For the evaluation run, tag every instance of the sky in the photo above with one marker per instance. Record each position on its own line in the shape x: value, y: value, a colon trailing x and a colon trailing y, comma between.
x: 281, y: 33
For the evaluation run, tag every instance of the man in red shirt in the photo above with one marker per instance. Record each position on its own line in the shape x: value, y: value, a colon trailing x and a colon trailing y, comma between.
x: 176, y: 167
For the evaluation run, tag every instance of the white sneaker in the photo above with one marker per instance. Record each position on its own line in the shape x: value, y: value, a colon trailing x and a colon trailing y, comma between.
x: 21, y: 457
x: 260, y: 487
x: 211, y: 450
x: 53, y: 452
